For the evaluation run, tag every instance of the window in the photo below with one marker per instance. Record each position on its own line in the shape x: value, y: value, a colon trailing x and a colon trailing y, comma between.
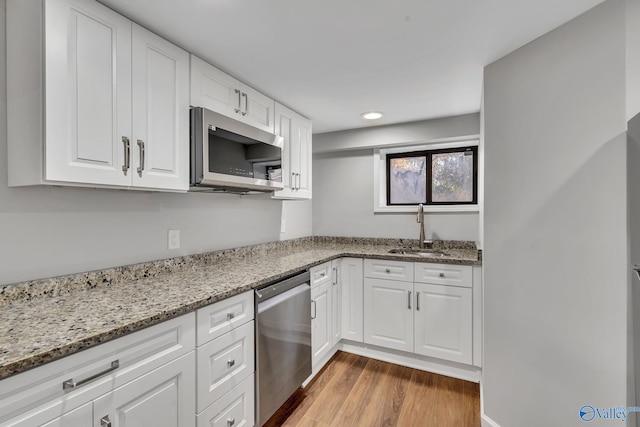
x: 432, y: 177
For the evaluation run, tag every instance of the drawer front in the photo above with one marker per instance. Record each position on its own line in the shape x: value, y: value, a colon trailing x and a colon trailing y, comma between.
x: 136, y: 354
x: 392, y: 270
x: 221, y: 317
x: 223, y: 363
x: 234, y: 409
x: 444, y: 274
x: 320, y: 274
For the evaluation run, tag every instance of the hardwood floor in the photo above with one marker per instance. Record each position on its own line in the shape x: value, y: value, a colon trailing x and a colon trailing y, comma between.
x: 354, y: 391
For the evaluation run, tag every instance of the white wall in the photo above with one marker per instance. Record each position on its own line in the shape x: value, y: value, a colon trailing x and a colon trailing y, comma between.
x: 555, y: 237
x: 343, y: 189
x: 633, y: 165
x: 51, y: 231
x: 633, y: 58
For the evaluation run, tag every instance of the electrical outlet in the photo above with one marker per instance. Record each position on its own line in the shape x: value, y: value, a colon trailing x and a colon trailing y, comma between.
x: 282, y: 226
x: 174, y: 239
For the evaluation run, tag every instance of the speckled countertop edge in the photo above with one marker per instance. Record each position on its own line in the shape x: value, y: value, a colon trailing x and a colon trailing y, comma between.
x: 72, y: 313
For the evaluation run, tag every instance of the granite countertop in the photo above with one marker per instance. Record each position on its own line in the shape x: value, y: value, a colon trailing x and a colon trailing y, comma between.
x: 45, y: 320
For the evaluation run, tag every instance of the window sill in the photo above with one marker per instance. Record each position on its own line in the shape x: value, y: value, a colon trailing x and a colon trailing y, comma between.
x: 427, y: 209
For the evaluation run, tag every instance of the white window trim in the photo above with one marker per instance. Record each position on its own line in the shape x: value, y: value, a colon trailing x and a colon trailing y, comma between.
x: 380, y: 175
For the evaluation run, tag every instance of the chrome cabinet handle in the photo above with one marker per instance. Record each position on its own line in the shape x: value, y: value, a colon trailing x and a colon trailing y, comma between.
x: 231, y: 421
x: 141, y: 148
x: 238, y: 92
x: 441, y: 275
x: 246, y: 104
x: 293, y: 180
x: 418, y: 301
x: 231, y: 363
x: 323, y: 274
x: 387, y: 270
x: 105, y: 421
x: 409, y: 301
x: 335, y: 275
x: 315, y: 310
x: 231, y: 315
x: 70, y: 384
x: 127, y: 154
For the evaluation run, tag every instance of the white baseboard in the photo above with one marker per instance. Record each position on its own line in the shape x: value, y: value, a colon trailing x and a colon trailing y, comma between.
x: 484, y: 419
x: 437, y: 366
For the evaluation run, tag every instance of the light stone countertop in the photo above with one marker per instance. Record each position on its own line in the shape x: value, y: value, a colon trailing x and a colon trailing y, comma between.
x: 37, y: 330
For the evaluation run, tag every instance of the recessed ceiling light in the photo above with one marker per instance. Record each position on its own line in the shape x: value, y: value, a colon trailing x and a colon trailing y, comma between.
x: 371, y: 115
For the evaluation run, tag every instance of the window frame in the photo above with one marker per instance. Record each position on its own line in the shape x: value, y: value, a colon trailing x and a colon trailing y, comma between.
x: 380, y: 154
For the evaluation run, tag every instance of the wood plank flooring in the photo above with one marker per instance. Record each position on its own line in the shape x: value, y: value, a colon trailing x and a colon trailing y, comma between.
x: 354, y: 391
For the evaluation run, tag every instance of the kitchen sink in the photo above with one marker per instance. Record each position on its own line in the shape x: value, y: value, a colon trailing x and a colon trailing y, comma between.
x: 431, y: 253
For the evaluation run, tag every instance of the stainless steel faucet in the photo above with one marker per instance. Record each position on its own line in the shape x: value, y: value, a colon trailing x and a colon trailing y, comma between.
x: 420, y: 220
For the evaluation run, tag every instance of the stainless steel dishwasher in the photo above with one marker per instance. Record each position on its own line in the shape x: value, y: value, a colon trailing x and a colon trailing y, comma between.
x: 283, y: 342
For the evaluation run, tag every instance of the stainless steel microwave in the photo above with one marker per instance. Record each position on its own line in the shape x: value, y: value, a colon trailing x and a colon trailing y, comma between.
x: 232, y: 155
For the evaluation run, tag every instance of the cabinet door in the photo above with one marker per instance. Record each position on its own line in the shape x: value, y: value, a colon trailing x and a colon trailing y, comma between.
x: 443, y: 322
x: 284, y: 128
x: 164, y: 397
x: 50, y: 417
x: 320, y: 322
x: 257, y: 109
x: 336, y: 303
x: 235, y: 409
x: 302, y: 157
x: 388, y: 313
x: 160, y: 145
x: 88, y: 92
x: 214, y: 89
x: 351, y: 283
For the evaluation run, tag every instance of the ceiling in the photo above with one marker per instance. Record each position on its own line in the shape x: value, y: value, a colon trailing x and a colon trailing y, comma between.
x: 331, y: 60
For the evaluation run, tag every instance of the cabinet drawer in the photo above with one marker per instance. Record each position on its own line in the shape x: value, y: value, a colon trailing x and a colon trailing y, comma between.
x: 221, y: 317
x: 320, y: 274
x: 137, y: 354
x: 223, y: 363
x: 236, y: 408
x: 444, y: 274
x: 394, y: 270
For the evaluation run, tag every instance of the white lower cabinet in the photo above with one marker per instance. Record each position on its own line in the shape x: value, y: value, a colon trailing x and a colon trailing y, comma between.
x: 422, y: 308
x: 234, y: 409
x: 388, y: 314
x: 320, y: 321
x: 443, y: 324
x: 226, y: 363
x: 351, y: 290
x: 147, y: 375
x: 162, y: 398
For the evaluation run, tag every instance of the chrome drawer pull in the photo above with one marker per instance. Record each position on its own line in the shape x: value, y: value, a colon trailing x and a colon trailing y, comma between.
x: 105, y: 421
x: 231, y: 362
x: 231, y: 315
x: 127, y: 154
x: 441, y: 275
x: 409, y: 301
x: 231, y: 421
x: 418, y: 301
x: 387, y: 270
x: 70, y: 384
x: 141, y: 148
x: 239, y: 102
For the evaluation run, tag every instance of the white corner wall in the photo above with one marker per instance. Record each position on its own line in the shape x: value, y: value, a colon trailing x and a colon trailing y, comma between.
x: 555, y: 225
x: 633, y: 58
x: 51, y: 231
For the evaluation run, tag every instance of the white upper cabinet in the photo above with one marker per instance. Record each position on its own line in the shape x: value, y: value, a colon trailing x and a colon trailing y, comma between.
x: 77, y: 98
x: 218, y: 91
x: 296, y: 155
x: 160, y: 148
